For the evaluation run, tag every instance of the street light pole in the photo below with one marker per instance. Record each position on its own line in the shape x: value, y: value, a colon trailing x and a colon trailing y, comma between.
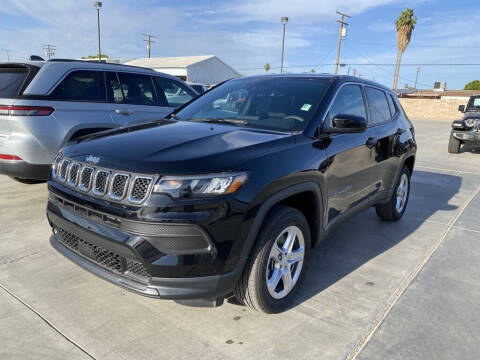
x: 98, y: 5
x: 340, y: 34
x: 284, y: 21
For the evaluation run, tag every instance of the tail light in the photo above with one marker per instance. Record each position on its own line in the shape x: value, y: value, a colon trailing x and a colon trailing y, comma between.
x: 20, y: 110
x: 8, y: 157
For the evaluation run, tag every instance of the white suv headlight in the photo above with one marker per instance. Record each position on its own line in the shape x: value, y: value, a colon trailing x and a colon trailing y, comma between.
x: 193, y: 186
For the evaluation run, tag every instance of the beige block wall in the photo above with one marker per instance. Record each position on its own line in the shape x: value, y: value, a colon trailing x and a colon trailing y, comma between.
x: 432, y: 109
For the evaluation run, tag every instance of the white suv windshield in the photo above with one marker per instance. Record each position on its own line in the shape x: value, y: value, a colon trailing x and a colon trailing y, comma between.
x: 284, y: 104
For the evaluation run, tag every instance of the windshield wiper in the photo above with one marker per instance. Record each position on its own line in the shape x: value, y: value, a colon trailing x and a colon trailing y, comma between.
x: 222, y: 121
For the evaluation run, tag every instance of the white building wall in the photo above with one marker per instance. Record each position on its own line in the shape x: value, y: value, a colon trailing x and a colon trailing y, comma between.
x: 210, y: 72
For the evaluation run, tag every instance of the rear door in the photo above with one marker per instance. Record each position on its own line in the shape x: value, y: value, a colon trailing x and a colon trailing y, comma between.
x: 382, y: 114
x: 350, y: 159
x: 133, y: 99
x: 80, y: 103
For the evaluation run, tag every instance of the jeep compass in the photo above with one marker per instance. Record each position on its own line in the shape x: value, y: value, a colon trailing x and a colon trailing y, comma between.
x: 228, y: 197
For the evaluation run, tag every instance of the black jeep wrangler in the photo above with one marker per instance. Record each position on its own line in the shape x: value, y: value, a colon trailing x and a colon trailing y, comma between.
x: 219, y: 200
x: 467, y: 130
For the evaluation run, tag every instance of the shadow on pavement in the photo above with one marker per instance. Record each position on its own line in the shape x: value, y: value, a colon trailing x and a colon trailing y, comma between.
x: 364, y: 236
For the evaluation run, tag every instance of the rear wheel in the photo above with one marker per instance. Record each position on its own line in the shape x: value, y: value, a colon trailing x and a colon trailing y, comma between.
x: 277, y: 265
x: 394, y: 209
x: 454, y: 145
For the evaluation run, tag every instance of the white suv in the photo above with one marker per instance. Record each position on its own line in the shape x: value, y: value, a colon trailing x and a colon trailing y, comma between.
x: 44, y: 104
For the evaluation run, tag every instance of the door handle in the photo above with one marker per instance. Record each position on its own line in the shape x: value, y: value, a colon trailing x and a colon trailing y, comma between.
x: 371, y: 142
x: 124, y: 111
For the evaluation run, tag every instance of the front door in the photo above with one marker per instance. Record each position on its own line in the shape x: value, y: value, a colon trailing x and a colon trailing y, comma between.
x: 351, y: 158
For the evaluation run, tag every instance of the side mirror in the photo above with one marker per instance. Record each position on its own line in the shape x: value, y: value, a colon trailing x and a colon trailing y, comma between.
x: 345, y: 124
x: 461, y: 108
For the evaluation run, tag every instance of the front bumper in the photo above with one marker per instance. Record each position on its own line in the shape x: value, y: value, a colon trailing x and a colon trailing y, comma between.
x: 136, y: 259
x: 24, y: 170
x: 468, y: 136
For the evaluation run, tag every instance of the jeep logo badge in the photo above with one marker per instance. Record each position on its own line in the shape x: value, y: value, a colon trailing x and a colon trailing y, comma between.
x: 93, y: 159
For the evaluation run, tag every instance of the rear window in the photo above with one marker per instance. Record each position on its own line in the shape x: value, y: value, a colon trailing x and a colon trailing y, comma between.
x: 81, y: 85
x: 11, y: 81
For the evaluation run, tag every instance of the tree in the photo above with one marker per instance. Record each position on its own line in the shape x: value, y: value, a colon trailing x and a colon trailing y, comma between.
x: 103, y: 56
x: 266, y: 67
x: 404, y: 25
x: 313, y: 71
x: 473, y: 85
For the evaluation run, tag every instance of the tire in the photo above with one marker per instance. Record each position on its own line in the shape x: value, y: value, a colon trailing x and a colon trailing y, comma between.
x: 267, y: 262
x: 393, y: 210
x: 454, y: 145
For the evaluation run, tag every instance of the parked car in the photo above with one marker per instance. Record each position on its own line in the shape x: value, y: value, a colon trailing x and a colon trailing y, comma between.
x: 212, y: 201
x: 44, y: 104
x: 199, y: 88
x: 466, y: 130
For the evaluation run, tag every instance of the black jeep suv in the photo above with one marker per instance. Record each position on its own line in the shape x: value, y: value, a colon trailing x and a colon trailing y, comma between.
x: 230, y: 193
x: 467, y: 130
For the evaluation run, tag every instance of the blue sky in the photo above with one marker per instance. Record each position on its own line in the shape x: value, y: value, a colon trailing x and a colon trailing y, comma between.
x: 247, y: 34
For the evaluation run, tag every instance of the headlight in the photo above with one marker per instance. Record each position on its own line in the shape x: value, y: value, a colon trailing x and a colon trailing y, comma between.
x: 471, y: 122
x: 200, y: 185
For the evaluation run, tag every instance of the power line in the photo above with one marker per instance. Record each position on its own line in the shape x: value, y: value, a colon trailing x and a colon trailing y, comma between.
x: 149, y: 42
x: 49, y: 50
x: 340, y: 35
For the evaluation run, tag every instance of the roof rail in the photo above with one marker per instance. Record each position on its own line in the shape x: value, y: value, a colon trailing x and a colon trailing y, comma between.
x: 98, y: 62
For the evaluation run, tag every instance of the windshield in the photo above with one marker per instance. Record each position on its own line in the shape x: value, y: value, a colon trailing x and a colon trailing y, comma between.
x: 474, y: 103
x: 283, y: 104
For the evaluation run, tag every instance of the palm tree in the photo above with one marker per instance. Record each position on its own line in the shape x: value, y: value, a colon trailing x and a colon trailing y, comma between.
x: 405, y: 25
x: 267, y: 67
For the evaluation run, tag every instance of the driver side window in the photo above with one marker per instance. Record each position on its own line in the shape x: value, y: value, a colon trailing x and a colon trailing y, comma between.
x: 349, y: 101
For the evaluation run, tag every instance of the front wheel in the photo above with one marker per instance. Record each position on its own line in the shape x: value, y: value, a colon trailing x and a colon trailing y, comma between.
x: 454, y: 145
x: 277, y: 265
x: 394, y: 209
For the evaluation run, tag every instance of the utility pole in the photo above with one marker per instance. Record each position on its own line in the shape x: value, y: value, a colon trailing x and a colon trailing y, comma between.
x: 284, y: 21
x: 49, y: 50
x: 416, y: 78
x: 340, y: 34
x: 149, y: 42
x: 98, y: 5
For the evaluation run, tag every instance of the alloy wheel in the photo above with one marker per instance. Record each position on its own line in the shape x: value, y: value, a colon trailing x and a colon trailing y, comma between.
x: 285, y: 262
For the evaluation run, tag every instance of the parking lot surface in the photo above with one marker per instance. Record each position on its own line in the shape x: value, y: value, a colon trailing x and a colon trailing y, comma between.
x: 374, y: 290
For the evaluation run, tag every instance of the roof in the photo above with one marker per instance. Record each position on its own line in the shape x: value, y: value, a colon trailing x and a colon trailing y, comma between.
x: 341, y: 78
x: 169, y: 62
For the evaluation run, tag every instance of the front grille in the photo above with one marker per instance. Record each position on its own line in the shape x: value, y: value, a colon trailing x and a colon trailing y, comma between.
x: 101, y: 256
x: 119, y: 186
x: 101, y: 182
x: 56, y: 165
x: 140, y: 188
x: 85, y: 178
x: 64, y: 169
x: 73, y: 174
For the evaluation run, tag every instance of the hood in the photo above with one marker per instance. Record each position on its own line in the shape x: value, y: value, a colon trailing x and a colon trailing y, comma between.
x: 177, y: 147
x: 471, y: 114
